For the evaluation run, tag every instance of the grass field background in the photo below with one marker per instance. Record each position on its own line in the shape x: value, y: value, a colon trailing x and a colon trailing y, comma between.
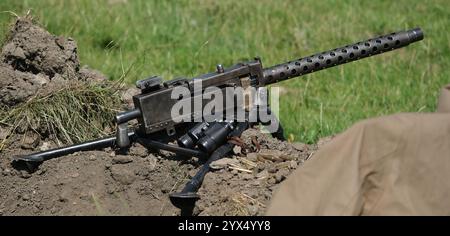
x: 187, y: 38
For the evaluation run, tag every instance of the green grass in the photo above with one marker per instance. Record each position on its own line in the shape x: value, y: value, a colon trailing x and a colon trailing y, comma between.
x: 186, y: 38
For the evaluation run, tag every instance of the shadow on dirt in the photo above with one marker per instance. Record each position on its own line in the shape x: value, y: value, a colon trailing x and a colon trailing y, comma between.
x: 30, y: 167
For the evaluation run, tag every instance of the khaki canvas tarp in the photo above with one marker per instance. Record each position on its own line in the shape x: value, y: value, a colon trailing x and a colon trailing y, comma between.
x: 392, y: 165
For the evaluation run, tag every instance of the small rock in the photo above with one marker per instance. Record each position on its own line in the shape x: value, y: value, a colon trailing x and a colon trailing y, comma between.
x: 53, y: 210
x: 222, y: 163
x: 293, y: 164
x: 142, y: 172
x: 39, y: 206
x: 122, y: 175
x: 299, y: 146
x: 281, y: 175
x: 45, y: 146
x: 88, y: 74
x: 260, y: 168
x: 127, y: 96
x: 6, y: 171
x: 30, y: 141
x: 121, y: 159
x: 272, y: 180
x: 110, y: 189
x: 271, y: 155
x: 138, y: 150
x: 282, y: 165
x: 58, y: 79
x: 74, y: 175
x: 25, y: 197
x: 24, y: 174
x: 63, y: 197
x: 247, y: 176
x: 92, y: 158
x: 152, y: 161
x: 60, y: 41
x: 41, y: 79
x: 252, y: 157
x: 253, y: 210
x: 237, y: 150
x: 287, y: 157
x: 112, y: 154
x: 108, y: 166
x: 144, y: 189
x: 165, y: 189
x: 14, y: 51
x: 254, y: 194
x: 263, y: 174
x: 272, y: 169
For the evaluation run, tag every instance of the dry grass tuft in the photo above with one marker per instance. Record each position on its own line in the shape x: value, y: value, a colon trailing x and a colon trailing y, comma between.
x: 78, y: 112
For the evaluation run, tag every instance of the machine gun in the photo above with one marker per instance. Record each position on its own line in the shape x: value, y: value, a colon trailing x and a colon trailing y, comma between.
x: 206, y: 136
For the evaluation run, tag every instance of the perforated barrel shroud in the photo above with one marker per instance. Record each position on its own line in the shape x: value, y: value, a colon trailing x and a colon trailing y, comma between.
x: 341, y: 55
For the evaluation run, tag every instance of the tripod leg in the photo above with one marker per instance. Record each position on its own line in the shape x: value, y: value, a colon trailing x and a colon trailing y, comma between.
x: 186, y: 199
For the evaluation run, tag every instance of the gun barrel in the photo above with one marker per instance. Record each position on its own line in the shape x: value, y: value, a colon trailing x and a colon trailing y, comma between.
x: 341, y: 55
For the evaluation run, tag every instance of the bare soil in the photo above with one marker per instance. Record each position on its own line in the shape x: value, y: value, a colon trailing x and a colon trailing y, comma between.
x: 105, y: 183
x: 33, y: 61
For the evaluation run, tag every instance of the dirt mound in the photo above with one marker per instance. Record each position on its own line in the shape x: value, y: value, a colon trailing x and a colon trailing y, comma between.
x: 244, y: 184
x: 17, y: 86
x: 103, y: 183
x: 44, y: 93
x: 34, y: 60
x: 31, y: 48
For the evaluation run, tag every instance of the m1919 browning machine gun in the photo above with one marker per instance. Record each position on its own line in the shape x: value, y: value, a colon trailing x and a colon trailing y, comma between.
x: 207, y: 136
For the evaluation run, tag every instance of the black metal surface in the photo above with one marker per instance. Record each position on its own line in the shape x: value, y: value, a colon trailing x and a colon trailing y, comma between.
x: 279, y: 133
x: 56, y: 152
x: 185, y: 200
x: 188, y: 196
x: 155, y: 106
x: 341, y: 55
x: 215, y: 136
x: 152, y: 144
x: 150, y: 84
x: 126, y: 116
x: 122, y: 138
x: 190, y: 139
